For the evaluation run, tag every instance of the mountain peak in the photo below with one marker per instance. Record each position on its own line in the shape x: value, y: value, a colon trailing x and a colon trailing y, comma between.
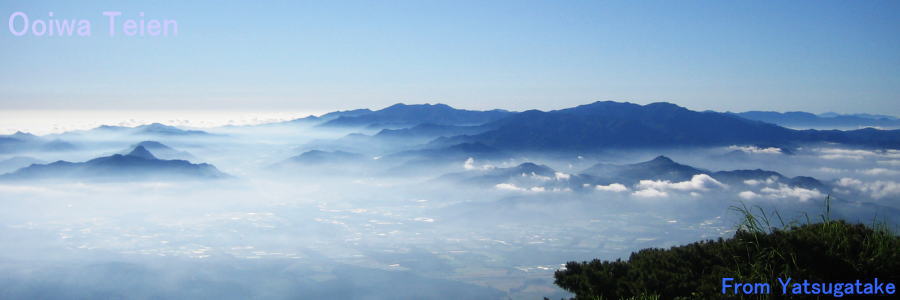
x: 662, y: 159
x: 141, y: 152
x: 403, y: 106
x: 664, y: 106
x: 22, y: 135
x: 152, y: 145
x: 530, y: 167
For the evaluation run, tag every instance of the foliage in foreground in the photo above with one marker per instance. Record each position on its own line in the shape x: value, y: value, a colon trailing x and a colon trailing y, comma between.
x: 829, y: 251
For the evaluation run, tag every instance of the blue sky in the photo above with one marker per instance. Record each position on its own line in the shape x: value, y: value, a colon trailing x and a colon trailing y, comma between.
x: 317, y: 56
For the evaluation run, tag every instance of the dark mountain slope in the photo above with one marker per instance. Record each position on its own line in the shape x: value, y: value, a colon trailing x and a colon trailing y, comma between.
x: 139, y: 164
x: 660, y: 168
x: 614, y: 125
x: 402, y: 115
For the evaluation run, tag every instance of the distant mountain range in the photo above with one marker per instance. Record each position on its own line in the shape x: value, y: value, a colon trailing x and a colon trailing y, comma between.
x: 151, y: 129
x: 439, y: 130
x: 660, y: 168
x: 24, y: 142
x: 139, y: 164
x: 403, y: 116
x: 615, y: 125
x: 17, y: 162
x: 317, y: 157
x: 797, y: 119
x: 429, y: 131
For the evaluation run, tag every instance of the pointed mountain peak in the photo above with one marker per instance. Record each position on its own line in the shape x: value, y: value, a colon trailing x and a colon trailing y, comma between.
x: 152, y: 145
x: 529, y: 167
x: 158, y: 127
x: 155, y: 125
x: 20, y: 134
x: 141, y: 152
x: 396, y: 106
x: 662, y: 159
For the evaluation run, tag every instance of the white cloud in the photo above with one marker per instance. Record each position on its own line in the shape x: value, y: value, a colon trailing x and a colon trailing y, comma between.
x: 513, y: 187
x: 846, y: 154
x: 890, y: 162
x: 769, y: 181
x: 830, y: 170
x: 755, y: 149
x: 536, y: 176
x: 841, y: 156
x: 847, y: 151
x: 470, y: 165
x: 849, y: 182
x: 614, y: 187
x: 858, y: 154
x: 699, y: 182
x: 878, y: 189
x: 747, y: 195
x: 892, y: 153
x: 784, y: 191
x: 23, y: 189
x: 508, y: 187
x: 650, y: 193
x: 562, y: 176
x: 879, y: 172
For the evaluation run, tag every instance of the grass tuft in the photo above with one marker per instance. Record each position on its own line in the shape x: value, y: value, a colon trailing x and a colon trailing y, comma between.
x: 829, y: 251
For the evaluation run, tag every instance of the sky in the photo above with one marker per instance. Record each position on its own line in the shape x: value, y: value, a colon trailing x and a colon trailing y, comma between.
x: 319, y: 56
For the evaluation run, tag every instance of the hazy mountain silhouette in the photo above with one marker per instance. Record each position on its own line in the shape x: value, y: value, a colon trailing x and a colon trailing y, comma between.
x: 809, y: 120
x: 155, y: 129
x: 139, y: 164
x: 392, y: 140
x: 497, y: 175
x: 17, y: 162
x: 162, y: 151
x: 403, y: 115
x: 660, y: 168
x: 329, y: 116
x: 25, y: 142
x: 458, y: 152
x: 141, y: 152
x: 315, y: 157
x: 741, y: 176
x: 428, y: 131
